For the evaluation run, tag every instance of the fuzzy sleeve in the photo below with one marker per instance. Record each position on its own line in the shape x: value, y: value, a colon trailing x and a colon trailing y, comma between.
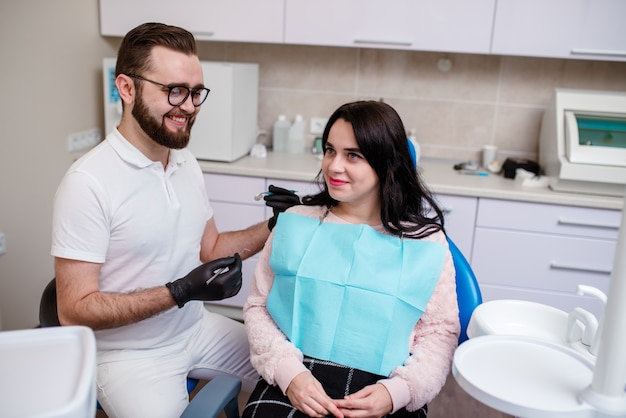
x: 274, y: 357
x: 432, y: 345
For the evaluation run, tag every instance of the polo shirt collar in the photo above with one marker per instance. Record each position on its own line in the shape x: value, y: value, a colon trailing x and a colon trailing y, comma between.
x: 129, y: 153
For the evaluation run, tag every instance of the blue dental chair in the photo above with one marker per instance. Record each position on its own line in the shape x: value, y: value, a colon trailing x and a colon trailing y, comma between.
x: 217, y: 395
x: 467, y: 289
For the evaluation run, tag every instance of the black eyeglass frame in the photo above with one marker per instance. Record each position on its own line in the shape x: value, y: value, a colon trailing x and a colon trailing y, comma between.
x: 170, y: 88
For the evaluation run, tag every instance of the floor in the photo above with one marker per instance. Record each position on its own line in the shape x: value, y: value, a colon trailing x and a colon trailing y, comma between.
x: 452, y: 402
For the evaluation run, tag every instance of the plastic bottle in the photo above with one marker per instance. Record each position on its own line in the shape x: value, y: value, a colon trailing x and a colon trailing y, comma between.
x: 280, y: 134
x: 297, y: 132
x: 413, y: 138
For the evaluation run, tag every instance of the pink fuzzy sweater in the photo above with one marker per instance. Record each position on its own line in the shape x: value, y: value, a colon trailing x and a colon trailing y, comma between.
x: 431, y: 345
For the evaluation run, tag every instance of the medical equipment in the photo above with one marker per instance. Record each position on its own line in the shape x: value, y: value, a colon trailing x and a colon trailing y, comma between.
x: 260, y: 195
x: 511, y: 374
x: 48, y: 372
x: 217, y: 273
x: 219, y: 394
x: 582, y: 145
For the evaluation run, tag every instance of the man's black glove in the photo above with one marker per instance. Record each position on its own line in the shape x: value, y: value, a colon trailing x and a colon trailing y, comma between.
x: 279, y: 200
x: 216, y: 280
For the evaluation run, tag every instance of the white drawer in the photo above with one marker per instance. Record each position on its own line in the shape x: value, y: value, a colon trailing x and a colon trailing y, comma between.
x: 538, y: 217
x: 237, y: 189
x: 236, y: 216
x: 541, y: 262
x: 233, y: 217
x: 460, y: 215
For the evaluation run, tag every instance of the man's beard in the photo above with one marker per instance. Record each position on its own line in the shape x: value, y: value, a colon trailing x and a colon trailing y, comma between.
x: 157, y: 130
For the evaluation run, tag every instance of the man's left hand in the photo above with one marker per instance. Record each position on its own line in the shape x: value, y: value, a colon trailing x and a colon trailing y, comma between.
x: 279, y: 200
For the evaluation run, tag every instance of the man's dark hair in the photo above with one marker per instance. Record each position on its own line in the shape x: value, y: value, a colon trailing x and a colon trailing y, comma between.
x: 133, y: 56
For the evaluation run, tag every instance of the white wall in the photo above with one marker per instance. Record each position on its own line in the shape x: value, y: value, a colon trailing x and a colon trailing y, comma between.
x: 51, y: 85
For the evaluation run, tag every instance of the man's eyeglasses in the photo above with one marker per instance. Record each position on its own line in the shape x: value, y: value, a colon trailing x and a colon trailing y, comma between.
x: 176, y: 95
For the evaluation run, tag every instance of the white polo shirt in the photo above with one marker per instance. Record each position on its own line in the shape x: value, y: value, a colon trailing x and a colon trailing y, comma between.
x: 143, y: 223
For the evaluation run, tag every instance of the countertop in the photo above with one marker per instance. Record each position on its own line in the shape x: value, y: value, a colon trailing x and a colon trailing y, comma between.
x: 438, y: 173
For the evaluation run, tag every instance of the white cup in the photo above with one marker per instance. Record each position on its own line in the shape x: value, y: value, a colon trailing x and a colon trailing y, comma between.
x: 489, y: 154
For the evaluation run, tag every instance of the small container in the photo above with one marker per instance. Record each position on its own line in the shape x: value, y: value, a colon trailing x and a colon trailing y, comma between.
x: 296, y: 140
x: 280, y: 134
x: 489, y: 155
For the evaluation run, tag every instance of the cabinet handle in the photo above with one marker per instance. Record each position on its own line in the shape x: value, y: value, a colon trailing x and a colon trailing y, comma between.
x: 562, y: 221
x: 380, y: 42
x: 558, y: 266
x: 607, y: 52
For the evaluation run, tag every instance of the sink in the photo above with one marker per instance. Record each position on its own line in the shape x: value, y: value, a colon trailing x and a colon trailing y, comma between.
x: 522, y: 318
x: 524, y: 377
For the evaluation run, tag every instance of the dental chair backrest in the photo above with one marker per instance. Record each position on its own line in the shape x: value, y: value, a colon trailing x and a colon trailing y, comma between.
x: 467, y: 289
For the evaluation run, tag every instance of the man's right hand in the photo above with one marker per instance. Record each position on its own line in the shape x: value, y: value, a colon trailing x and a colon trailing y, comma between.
x: 215, y: 280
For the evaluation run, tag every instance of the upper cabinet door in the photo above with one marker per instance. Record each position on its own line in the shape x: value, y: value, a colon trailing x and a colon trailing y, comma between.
x: 425, y: 25
x: 581, y: 29
x: 209, y: 20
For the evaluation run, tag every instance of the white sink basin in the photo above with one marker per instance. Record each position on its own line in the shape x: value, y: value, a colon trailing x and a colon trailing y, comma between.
x: 524, y: 377
x: 522, y: 318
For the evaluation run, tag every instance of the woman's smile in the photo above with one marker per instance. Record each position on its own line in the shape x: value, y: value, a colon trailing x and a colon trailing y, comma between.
x: 336, y: 182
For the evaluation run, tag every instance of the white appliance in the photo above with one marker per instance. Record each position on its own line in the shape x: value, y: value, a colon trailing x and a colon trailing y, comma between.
x: 582, y: 145
x: 48, y: 372
x: 226, y: 126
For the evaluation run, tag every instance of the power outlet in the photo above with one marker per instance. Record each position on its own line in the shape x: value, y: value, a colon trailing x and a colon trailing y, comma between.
x: 3, y: 244
x: 318, y: 125
x: 80, y: 141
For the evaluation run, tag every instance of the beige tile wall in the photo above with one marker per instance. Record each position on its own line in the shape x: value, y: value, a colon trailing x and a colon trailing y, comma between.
x: 481, y: 100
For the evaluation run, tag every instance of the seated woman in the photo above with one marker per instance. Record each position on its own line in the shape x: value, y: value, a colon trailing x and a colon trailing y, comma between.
x: 353, y: 309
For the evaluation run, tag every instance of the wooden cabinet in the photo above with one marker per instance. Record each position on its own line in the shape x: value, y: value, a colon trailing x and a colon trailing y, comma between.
x: 209, y: 20
x: 541, y: 252
x: 445, y: 25
x: 583, y: 29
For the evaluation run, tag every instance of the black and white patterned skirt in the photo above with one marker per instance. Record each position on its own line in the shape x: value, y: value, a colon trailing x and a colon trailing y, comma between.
x: 268, y: 401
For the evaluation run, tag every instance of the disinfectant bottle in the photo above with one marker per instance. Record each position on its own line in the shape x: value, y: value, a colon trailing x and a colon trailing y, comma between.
x: 413, y: 138
x: 297, y: 132
x: 280, y: 134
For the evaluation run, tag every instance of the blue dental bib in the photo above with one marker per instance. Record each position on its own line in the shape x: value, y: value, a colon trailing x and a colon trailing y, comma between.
x: 349, y: 294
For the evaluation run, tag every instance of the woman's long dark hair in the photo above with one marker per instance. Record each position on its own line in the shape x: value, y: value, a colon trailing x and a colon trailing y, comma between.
x: 407, y: 206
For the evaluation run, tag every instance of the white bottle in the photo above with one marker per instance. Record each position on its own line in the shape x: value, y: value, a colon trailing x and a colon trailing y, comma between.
x: 280, y: 134
x: 413, y: 138
x: 297, y: 132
